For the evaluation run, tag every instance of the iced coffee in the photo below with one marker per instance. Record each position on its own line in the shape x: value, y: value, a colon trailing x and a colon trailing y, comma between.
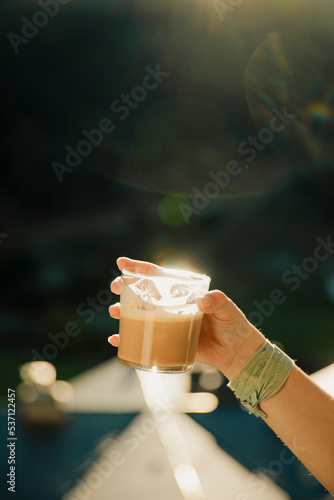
x: 160, y: 321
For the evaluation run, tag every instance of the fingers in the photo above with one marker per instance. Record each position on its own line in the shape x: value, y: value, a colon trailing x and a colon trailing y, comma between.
x: 213, y: 302
x: 220, y: 308
x: 217, y: 304
x: 115, y: 310
x: 114, y: 340
x: 122, y: 262
x: 126, y: 262
x: 116, y: 285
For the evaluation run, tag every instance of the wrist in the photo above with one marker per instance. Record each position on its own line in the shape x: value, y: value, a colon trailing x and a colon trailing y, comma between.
x: 243, y: 353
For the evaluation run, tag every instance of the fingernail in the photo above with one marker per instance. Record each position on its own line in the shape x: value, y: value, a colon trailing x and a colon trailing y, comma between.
x: 205, y: 302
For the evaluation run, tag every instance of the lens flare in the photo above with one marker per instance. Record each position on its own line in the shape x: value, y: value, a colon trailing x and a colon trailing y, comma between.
x: 292, y: 72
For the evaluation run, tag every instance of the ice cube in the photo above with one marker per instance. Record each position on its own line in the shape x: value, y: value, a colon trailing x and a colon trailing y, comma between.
x: 147, y: 290
x: 192, y: 298
x: 179, y: 290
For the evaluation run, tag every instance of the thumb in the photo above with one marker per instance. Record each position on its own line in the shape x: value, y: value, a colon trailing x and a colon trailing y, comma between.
x: 217, y: 303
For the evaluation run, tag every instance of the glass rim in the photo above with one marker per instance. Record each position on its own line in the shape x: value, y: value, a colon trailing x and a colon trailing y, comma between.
x: 165, y: 272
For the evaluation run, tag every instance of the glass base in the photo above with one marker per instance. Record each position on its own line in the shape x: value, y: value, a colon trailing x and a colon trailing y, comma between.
x: 157, y: 369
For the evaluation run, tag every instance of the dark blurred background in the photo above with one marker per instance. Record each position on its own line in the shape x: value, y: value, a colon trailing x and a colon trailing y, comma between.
x: 225, y: 71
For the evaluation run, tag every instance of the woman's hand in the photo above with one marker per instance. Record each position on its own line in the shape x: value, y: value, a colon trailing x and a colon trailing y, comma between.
x: 300, y: 412
x: 227, y: 339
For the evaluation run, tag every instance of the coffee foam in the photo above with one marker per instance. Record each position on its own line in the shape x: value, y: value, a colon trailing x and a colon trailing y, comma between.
x: 158, y: 316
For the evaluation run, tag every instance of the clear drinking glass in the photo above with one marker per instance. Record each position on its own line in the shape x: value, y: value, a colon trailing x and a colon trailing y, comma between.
x: 160, y: 321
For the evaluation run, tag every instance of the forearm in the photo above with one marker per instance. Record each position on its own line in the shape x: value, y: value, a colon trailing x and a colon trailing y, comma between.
x: 302, y: 415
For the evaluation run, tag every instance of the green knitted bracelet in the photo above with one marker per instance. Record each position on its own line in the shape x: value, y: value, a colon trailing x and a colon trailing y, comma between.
x: 261, y: 377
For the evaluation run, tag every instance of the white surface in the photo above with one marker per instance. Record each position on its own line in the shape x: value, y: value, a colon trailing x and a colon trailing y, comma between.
x: 114, y: 388
x: 325, y: 378
x: 145, y: 472
x: 108, y: 388
x: 157, y: 458
x: 161, y: 455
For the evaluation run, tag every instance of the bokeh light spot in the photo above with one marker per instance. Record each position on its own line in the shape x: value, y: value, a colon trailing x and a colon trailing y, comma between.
x: 169, y: 210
